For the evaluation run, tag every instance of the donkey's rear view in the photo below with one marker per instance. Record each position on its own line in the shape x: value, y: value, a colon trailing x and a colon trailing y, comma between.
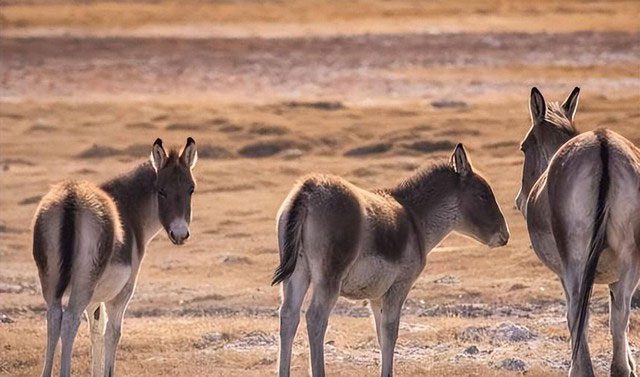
x: 89, y: 241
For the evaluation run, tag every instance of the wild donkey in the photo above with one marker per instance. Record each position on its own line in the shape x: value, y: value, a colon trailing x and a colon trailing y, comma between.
x: 580, y: 196
x: 372, y: 245
x: 90, y: 241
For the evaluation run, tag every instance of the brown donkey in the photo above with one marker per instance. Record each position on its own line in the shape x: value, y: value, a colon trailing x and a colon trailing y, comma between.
x: 89, y: 241
x: 580, y: 196
x: 372, y: 245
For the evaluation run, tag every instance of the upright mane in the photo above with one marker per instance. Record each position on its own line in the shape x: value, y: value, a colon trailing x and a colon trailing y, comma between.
x: 422, y: 181
x: 556, y: 116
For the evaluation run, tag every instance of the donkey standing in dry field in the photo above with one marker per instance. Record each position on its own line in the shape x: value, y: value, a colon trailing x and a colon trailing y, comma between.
x: 90, y: 241
x: 372, y: 245
x: 580, y: 196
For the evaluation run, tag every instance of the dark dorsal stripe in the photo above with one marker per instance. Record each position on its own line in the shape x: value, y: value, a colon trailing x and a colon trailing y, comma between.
x: 597, y: 244
x: 67, y: 242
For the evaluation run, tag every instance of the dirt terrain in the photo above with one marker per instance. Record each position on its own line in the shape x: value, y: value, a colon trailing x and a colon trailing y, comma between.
x: 273, y: 91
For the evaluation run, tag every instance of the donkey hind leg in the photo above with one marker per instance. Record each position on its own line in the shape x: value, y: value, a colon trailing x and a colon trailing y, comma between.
x: 324, y: 298
x: 54, y: 322
x: 620, y: 305
x: 97, y: 319
x: 115, y: 313
x: 582, y: 367
x: 293, y: 291
x: 79, y: 298
x: 387, y: 324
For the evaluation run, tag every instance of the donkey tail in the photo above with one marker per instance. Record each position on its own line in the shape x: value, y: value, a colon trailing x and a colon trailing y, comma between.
x: 292, y: 240
x: 596, y: 245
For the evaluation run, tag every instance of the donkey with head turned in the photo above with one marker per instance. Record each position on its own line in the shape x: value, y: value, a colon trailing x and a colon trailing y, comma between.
x: 89, y: 241
x: 580, y: 196
x: 348, y: 241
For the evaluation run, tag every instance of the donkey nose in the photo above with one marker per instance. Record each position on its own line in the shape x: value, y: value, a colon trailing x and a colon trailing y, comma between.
x: 178, y: 231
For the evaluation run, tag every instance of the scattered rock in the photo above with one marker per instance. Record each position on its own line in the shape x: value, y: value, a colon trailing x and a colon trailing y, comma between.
x: 474, y: 334
x: 213, y: 340
x: 365, y: 150
x: 447, y: 280
x: 426, y: 146
x: 464, y: 310
x: 514, y: 365
x: 252, y: 340
x: 262, y: 149
x: 292, y: 154
x: 471, y: 350
x: 209, y: 151
x: 182, y: 127
x: 30, y: 200
x: 233, y: 259
x: 319, y: 105
x: 5, y: 319
x: 449, y: 104
x: 267, y: 130
x: 98, y: 151
x: 511, y: 332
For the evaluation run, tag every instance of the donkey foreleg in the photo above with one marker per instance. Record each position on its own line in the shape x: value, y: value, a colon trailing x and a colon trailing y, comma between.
x: 54, y: 322
x: 325, y: 296
x: 387, y: 324
x: 293, y: 291
x: 622, y: 363
x: 97, y: 318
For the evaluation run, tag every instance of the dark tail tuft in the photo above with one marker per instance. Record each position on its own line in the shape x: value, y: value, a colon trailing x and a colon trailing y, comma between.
x: 596, y: 246
x: 67, y: 243
x: 293, y: 237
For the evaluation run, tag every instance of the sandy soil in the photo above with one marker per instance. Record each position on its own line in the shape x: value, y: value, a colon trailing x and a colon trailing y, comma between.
x: 265, y: 110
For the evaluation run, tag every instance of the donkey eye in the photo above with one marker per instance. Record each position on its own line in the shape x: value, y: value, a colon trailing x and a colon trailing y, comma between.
x: 162, y: 194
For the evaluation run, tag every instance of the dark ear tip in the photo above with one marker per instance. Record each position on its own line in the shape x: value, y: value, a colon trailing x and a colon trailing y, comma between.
x: 158, y: 142
x: 535, y: 90
x: 459, y: 146
x: 190, y: 140
x: 576, y: 89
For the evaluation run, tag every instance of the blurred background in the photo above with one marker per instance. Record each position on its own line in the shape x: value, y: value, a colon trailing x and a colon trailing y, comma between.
x: 272, y: 90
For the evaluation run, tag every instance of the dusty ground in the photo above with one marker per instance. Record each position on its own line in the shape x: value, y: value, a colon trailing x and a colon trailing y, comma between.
x: 271, y: 92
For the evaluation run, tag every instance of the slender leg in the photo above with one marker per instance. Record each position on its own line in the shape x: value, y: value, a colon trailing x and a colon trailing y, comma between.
x: 78, y: 301
x: 376, y: 310
x: 323, y: 300
x: 54, y: 321
x: 621, y: 292
x: 97, y: 318
x: 388, y: 324
x: 293, y: 292
x: 583, y: 366
x: 115, y: 313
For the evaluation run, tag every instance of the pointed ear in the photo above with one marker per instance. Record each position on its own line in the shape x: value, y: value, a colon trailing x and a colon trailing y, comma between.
x: 158, y: 155
x: 460, y: 162
x: 571, y: 104
x: 537, y: 106
x: 190, y: 154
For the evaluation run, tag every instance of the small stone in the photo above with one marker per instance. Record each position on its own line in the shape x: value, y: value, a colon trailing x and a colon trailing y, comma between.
x: 513, y: 333
x: 514, y: 365
x: 472, y: 350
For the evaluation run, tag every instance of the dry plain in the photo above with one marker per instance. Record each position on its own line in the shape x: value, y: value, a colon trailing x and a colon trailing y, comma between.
x: 272, y: 91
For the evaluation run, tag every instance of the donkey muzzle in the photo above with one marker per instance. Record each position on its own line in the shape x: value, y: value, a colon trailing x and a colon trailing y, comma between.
x: 178, y: 231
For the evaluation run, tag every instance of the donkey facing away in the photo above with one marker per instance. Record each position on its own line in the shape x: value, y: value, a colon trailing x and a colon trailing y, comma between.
x: 89, y: 241
x: 580, y: 196
x: 372, y: 245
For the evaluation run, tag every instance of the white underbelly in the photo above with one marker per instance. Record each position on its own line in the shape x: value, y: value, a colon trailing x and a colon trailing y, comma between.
x: 369, y: 278
x: 113, y: 279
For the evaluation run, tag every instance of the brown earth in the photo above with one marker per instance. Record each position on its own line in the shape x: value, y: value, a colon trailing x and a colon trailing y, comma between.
x: 84, y: 96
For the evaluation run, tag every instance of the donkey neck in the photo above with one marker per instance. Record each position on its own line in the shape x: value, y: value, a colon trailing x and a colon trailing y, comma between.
x: 135, y: 196
x: 431, y: 198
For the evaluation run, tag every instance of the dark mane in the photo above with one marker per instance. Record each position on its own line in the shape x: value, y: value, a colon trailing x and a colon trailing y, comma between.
x: 556, y: 116
x: 422, y: 181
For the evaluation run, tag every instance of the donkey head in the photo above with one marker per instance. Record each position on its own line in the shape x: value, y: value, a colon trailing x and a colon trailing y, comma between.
x: 174, y: 187
x: 480, y: 216
x: 551, y: 127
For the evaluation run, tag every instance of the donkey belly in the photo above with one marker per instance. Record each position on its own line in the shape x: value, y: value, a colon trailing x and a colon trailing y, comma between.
x: 113, y: 279
x: 369, y: 278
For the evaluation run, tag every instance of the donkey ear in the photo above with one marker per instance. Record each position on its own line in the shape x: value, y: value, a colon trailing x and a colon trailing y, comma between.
x: 571, y: 104
x: 190, y: 154
x: 158, y: 155
x: 537, y: 106
x: 460, y: 162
